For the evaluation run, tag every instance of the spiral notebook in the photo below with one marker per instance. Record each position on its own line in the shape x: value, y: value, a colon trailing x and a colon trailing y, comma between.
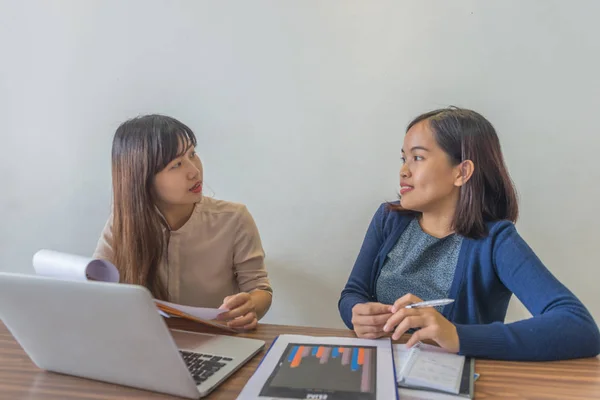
x: 430, y: 368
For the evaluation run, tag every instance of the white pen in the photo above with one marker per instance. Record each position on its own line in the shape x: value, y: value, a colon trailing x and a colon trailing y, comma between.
x: 430, y: 303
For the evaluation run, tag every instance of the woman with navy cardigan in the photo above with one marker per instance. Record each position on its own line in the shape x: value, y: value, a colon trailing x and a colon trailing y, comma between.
x: 452, y: 235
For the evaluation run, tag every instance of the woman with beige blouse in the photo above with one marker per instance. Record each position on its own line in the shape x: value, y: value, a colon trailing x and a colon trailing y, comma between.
x: 165, y: 235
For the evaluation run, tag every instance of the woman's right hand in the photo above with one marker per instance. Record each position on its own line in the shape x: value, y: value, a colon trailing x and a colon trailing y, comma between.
x: 369, y: 318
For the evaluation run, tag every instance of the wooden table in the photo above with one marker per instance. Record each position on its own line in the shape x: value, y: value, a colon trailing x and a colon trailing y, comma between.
x: 576, y: 379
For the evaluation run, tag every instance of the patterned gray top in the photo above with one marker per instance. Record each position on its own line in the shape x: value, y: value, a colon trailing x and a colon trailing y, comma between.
x: 420, y: 264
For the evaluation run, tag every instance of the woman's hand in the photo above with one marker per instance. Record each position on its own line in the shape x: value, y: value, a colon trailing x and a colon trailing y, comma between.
x: 368, y: 319
x: 241, y: 311
x: 432, y: 324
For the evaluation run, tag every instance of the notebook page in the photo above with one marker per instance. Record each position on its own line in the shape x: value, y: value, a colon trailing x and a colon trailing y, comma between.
x: 436, y: 370
x: 402, y: 354
x: 418, y: 394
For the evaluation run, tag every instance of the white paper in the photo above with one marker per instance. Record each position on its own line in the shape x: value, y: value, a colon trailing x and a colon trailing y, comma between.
x: 73, y: 267
x: 429, y: 366
x: 414, y: 394
x: 198, y: 312
x: 384, y: 373
x: 401, y: 353
x: 438, y: 371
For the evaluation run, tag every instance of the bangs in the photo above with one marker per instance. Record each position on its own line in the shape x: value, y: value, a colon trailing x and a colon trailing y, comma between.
x: 174, y: 139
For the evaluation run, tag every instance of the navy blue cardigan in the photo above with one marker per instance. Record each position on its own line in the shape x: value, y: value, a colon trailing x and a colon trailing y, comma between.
x: 488, y: 272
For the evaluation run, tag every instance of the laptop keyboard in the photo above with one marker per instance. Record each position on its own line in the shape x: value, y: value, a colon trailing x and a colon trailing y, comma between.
x: 203, y: 366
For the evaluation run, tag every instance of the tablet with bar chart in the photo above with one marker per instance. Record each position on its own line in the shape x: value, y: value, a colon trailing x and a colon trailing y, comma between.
x: 327, y: 368
x: 338, y: 372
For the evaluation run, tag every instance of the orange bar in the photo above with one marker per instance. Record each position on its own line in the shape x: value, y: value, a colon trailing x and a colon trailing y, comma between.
x: 320, y: 351
x: 361, y: 356
x: 341, y: 349
x: 297, y: 357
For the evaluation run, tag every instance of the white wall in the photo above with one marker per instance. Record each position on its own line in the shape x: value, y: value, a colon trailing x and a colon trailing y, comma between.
x: 300, y: 109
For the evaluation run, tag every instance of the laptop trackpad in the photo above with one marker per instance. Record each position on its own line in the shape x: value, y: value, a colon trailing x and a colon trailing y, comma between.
x: 191, y: 340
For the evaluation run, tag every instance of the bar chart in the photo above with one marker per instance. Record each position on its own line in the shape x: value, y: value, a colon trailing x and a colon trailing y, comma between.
x: 339, y: 372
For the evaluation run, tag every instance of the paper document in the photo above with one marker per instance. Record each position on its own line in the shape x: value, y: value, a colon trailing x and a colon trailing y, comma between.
x: 202, y: 315
x: 59, y: 265
x: 72, y: 267
x: 331, y: 368
x: 198, y: 312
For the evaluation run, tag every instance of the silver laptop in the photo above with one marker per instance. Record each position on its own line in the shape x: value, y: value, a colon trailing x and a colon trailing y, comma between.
x: 113, y: 333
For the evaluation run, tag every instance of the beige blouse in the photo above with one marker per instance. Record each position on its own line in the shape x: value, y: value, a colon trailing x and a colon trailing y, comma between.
x: 217, y: 253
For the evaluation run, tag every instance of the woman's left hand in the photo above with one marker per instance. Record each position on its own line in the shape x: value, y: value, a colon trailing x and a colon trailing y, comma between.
x: 432, y: 324
x: 241, y: 311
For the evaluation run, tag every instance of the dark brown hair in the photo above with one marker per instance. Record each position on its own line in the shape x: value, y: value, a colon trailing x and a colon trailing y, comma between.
x: 489, y: 195
x: 141, y: 148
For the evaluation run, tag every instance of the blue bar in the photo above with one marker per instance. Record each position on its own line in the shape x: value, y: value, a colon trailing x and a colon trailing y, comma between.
x: 293, y: 354
x: 335, y: 352
x: 355, y: 359
x: 314, y: 350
